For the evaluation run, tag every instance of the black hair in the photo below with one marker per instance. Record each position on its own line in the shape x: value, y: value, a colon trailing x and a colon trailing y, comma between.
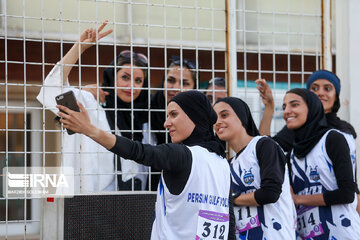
x: 120, y: 61
x: 192, y: 71
x: 337, y: 105
x: 218, y: 81
x: 125, y: 121
x: 188, y: 64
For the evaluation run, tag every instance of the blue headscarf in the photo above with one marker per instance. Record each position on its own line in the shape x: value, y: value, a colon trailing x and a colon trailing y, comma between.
x: 327, y: 75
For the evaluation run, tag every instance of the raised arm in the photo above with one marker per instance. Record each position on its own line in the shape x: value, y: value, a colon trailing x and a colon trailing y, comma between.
x: 80, y: 122
x: 168, y: 157
x: 87, y: 39
x: 268, y: 100
x: 93, y: 89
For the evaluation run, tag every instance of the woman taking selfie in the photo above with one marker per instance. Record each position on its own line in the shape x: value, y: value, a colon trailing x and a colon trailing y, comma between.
x: 194, y: 189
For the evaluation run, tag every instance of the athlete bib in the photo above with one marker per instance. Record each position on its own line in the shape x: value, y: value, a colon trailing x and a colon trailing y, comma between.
x: 308, y: 222
x: 246, y: 218
x: 212, y: 225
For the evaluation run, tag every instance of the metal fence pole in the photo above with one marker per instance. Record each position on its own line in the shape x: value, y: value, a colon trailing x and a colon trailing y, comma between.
x: 231, y: 61
x: 326, y: 35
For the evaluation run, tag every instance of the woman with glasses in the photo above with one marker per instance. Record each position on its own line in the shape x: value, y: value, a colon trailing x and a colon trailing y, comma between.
x: 123, y: 83
x: 181, y: 75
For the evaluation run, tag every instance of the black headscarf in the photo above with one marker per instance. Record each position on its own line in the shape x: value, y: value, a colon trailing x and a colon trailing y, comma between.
x: 335, y: 122
x: 309, y: 134
x: 242, y: 110
x: 198, y: 108
x: 285, y: 138
x: 124, y: 116
x: 158, y: 118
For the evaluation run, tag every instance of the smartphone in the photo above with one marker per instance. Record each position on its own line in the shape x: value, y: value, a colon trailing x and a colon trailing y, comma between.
x: 68, y: 100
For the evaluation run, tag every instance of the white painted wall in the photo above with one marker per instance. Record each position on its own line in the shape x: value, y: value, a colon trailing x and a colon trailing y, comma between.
x: 295, y: 24
x: 348, y: 61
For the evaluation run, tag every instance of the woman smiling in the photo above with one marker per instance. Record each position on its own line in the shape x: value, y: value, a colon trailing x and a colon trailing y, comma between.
x: 192, y: 165
x: 322, y: 174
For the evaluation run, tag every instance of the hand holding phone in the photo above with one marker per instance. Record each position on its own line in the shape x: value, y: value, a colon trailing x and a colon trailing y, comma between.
x: 68, y: 100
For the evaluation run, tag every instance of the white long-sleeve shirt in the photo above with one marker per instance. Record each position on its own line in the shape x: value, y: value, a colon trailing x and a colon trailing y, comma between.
x: 93, y: 165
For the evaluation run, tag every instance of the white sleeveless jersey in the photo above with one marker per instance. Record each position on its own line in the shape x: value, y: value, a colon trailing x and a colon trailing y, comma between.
x: 270, y: 221
x: 201, y: 210
x: 352, y: 146
x: 314, y: 174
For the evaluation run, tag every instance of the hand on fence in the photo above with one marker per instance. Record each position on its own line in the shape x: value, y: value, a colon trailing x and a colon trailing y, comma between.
x: 88, y: 37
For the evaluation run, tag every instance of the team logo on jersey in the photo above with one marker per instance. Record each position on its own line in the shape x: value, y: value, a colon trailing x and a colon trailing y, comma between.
x: 314, y: 175
x: 248, y: 177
